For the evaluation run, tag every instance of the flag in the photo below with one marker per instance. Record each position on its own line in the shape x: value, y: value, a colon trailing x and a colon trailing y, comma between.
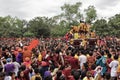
x: 34, y: 43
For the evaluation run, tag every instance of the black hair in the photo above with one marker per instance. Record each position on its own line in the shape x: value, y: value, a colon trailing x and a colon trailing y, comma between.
x: 72, y: 54
x: 116, y: 57
x: 102, y: 52
x: 107, y: 51
x: 85, y: 65
x: 36, y: 70
x: 1, y: 68
x: 62, y: 67
x: 109, y: 55
x: 23, y: 67
x: 19, y: 73
x: 72, y: 71
x: 52, y: 67
x: 98, y: 57
x: 48, y: 77
x: 76, y: 75
x: 90, y: 53
x: 93, y: 66
x: 107, y: 76
x: 11, y: 73
x: 59, y: 73
x: 38, y: 78
x: 2, y: 74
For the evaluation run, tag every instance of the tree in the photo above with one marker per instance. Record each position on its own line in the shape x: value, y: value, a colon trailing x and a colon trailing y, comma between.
x: 90, y: 14
x: 12, y: 27
x: 39, y: 26
x: 72, y: 12
x: 114, y: 23
x: 101, y: 27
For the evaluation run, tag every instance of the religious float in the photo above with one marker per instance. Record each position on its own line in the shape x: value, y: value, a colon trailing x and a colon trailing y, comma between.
x: 81, y: 35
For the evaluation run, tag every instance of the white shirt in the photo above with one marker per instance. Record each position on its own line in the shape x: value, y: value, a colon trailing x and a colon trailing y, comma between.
x: 17, y: 66
x: 114, y: 65
x: 8, y: 78
x: 82, y: 59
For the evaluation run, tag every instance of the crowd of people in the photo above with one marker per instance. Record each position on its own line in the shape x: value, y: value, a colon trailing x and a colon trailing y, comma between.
x: 57, y: 59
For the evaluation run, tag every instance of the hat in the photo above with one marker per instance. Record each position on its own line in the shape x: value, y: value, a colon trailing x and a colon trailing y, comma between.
x: 9, y: 59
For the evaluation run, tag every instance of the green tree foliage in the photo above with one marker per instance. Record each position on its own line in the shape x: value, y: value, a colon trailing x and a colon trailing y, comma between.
x: 101, y: 27
x: 90, y: 14
x: 11, y: 27
x: 39, y: 26
x: 58, y: 25
x: 110, y: 27
x: 114, y: 23
x: 71, y: 12
x: 60, y: 29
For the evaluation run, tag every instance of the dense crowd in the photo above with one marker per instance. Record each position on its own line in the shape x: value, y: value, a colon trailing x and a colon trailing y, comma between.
x: 57, y: 59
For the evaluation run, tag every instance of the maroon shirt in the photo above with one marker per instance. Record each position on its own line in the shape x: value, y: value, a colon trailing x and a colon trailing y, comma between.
x: 108, y: 62
x: 73, y: 62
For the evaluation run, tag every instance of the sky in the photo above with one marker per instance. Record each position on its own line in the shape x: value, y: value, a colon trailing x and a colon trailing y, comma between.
x: 28, y: 9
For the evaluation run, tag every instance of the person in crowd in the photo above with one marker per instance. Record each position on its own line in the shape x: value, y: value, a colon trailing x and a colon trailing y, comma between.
x: 82, y: 59
x: 19, y: 56
x: 90, y: 59
x: 17, y: 66
x: 56, y: 59
x: 37, y: 76
x: 9, y: 67
x: 88, y: 76
x: 10, y: 76
x: 21, y: 75
x: 114, y: 65
x: 2, y: 75
x: 26, y: 53
x: 102, y: 62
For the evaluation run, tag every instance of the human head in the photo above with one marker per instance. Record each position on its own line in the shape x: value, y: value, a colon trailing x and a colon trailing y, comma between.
x: 76, y: 75
x: 102, y: 53
x: 116, y: 57
x: 109, y: 55
x: 88, y: 74
x: 48, y: 78
x: 9, y: 60
x: 20, y: 74
x: 2, y: 75
x: 36, y: 70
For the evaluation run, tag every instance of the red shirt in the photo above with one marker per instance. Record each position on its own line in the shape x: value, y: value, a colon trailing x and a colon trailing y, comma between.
x: 67, y: 72
x: 73, y: 62
x: 108, y: 62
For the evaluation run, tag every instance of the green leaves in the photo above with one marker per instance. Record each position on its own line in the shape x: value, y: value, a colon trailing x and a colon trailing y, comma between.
x: 71, y: 12
x: 90, y: 14
x: 40, y: 26
x: 110, y: 27
x: 60, y: 24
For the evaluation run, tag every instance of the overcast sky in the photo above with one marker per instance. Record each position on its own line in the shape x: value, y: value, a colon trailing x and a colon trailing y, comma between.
x: 28, y: 9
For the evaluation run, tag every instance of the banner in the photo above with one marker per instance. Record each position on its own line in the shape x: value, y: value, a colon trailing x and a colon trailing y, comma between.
x: 34, y: 43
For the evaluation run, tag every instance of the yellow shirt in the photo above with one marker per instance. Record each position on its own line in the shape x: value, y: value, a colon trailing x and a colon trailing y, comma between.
x: 85, y: 78
x: 40, y: 57
x: 118, y: 70
x: 37, y: 75
x: 76, y: 56
x: 119, y: 60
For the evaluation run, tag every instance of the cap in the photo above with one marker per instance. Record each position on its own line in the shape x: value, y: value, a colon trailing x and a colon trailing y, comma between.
x: 9, y: 59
